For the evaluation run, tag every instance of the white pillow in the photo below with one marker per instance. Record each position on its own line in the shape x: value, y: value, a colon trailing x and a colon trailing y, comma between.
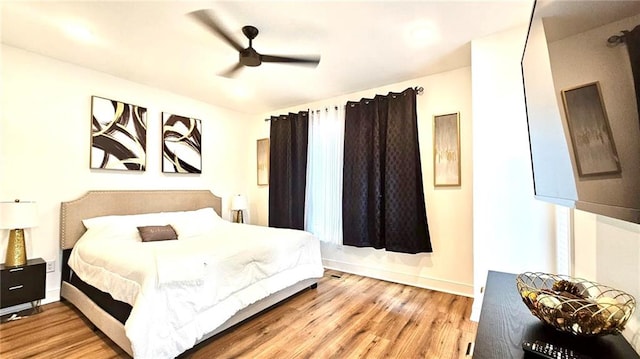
x: 186, y: 223
x: 193, y: 223
x: 111, y: 233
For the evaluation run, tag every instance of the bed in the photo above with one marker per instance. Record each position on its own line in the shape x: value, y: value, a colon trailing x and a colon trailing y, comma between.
x: 200, y: 284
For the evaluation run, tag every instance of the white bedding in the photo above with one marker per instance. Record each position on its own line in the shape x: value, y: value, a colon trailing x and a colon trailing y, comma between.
x: 182, y: 289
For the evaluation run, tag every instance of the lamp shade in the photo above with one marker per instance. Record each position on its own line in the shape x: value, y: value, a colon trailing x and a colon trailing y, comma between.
x: 239, y: 203
x: 18, y: 215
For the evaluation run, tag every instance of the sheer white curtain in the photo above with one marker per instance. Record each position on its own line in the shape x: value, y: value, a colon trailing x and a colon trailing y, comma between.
x: 323, y: 199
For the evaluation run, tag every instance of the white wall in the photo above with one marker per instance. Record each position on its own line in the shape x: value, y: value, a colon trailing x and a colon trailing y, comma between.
x: 45, y: 141
x: 450, y: 267
x: 512, y: 232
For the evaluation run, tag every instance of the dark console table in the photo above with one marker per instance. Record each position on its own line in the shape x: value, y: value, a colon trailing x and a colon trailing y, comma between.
x: 505, y: 322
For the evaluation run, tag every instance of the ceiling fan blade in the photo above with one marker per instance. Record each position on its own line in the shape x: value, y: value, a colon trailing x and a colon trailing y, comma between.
x: 207, y: 19
x: 303, y: 60
x: 232, y: 71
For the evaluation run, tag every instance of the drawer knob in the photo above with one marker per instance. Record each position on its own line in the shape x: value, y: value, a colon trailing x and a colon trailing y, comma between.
x: 15, y: 270
x: 16, y: 287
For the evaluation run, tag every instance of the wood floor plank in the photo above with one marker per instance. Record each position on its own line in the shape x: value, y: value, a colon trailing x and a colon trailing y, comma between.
x: 347, y: 316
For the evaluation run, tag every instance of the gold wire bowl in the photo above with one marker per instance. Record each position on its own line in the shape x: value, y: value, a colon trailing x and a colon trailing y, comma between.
x: 575, y: 305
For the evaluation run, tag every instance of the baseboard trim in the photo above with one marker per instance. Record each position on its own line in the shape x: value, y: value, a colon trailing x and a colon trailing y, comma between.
x: 441, y: 285
x: 476, y: 308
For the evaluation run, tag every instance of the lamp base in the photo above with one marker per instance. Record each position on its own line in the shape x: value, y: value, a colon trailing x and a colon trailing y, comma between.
x: 16, y: 252
x: 238, y: 217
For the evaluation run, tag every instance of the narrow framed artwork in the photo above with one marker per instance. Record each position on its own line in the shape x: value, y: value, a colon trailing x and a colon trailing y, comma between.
x: 118, y: 135
x: 263, y: 162
x: 181, y: 144
x: 446, y: 150
x: 588, y: 124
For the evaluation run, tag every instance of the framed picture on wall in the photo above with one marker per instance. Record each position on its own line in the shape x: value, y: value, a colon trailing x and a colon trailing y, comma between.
x: 181, y: 144
x: 118, y: 135
x: 593, y: 146
x: 263, y: 162
x: 446, y: 150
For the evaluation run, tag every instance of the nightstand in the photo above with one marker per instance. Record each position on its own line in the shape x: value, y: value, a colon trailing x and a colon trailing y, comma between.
x: 22, y: 284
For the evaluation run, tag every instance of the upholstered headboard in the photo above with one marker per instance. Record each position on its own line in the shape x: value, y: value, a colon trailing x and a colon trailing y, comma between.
x: 104, y: 203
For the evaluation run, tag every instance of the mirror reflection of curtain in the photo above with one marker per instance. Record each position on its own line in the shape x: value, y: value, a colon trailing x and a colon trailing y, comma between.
x: 324, y: 174
x: 288, y: 169
x: 632, y: 38
x: 383, y: 200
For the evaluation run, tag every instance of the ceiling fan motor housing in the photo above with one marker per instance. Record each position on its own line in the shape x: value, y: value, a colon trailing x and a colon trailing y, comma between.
x: 249, y: 57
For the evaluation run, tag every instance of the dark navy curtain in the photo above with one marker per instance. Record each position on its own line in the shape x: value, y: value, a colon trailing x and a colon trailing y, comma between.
x: 288, y: 169
x: 383, y: 202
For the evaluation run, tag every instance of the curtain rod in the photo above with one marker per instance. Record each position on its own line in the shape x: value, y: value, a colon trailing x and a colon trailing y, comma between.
x: 418, y: 89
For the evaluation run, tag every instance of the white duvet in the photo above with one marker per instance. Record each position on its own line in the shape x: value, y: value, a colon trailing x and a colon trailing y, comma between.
x: 182, y: 289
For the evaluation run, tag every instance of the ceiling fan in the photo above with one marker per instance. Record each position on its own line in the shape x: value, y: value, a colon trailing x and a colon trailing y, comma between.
x: 248, y: 56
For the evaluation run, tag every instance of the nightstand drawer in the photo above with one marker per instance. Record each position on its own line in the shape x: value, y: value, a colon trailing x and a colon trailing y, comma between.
x: 22, y: 284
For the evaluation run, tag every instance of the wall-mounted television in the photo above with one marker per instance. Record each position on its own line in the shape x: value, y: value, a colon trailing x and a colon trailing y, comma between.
x: 581, y: 74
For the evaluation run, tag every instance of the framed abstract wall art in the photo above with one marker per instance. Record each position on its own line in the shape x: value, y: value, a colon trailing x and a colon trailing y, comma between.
x: 593, y: 146
x: 181, y: 144
x: 118, y: 135
x: 446, y: 150
x: 263, y: 162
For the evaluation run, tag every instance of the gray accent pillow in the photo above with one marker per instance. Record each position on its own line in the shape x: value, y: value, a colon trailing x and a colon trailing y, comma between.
x: 157, y: 233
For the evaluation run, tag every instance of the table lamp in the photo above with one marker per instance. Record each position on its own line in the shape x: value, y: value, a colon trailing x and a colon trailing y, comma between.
x: 16, y: 216
x: 239, y: 204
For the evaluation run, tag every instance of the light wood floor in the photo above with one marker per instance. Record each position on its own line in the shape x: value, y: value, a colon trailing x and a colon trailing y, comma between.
x: 347, y: 316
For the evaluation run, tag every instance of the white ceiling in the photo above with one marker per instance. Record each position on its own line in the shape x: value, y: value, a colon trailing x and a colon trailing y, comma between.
x: 363, y: 44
